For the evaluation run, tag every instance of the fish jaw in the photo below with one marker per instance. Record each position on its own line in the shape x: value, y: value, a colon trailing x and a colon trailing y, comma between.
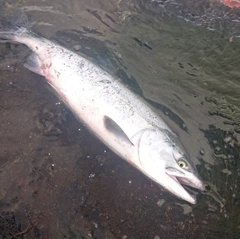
x: 174, y: 184
x: 178, y: 180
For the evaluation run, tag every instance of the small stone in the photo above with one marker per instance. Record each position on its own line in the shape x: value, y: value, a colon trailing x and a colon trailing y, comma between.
x: 228, y: 139
x: 160, y: 202
x: 95, y: 224
x: 77, y: 48
x: 119, y: 56
x: 202, y: 152
x: 90, y: 235
x: 92, y: 175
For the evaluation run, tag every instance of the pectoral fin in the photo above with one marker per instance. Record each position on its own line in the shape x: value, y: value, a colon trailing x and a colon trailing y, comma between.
x: 116, y: 130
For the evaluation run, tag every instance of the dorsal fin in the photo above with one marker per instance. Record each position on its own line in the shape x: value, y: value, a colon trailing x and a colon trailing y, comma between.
x: 116, y: 130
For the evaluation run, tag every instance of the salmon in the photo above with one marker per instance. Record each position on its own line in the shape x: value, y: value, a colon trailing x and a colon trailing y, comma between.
x: 121, y: 119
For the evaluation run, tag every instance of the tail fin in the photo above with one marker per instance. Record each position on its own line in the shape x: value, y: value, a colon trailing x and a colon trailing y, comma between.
x: 18, y: 25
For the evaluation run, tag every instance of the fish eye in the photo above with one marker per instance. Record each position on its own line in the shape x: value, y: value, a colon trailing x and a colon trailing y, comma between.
x: 182, y: 163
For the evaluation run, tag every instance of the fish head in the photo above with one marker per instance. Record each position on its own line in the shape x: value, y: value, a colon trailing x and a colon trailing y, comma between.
x: 164, y: 160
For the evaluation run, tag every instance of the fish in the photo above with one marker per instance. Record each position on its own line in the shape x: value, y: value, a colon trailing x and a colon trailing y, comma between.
x: 122, y: 120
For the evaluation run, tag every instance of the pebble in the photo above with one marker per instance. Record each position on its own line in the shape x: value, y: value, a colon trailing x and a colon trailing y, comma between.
x: 160, y: 202
x: 77, y: 47
x: 202, y: 152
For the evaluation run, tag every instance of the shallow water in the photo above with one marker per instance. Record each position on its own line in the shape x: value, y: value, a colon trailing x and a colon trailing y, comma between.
x: 61, y: 182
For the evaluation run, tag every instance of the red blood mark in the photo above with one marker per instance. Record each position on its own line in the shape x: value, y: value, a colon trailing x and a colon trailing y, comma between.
x: 45, y: 68
x: 232, y: 3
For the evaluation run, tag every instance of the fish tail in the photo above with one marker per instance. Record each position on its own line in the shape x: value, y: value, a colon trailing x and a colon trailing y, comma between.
x: 18, y: 26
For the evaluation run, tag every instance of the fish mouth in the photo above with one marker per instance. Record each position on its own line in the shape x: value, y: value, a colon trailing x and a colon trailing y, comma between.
x: 178, y: 182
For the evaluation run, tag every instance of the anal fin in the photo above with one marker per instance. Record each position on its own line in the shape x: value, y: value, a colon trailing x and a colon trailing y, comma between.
x: 33, y: 63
